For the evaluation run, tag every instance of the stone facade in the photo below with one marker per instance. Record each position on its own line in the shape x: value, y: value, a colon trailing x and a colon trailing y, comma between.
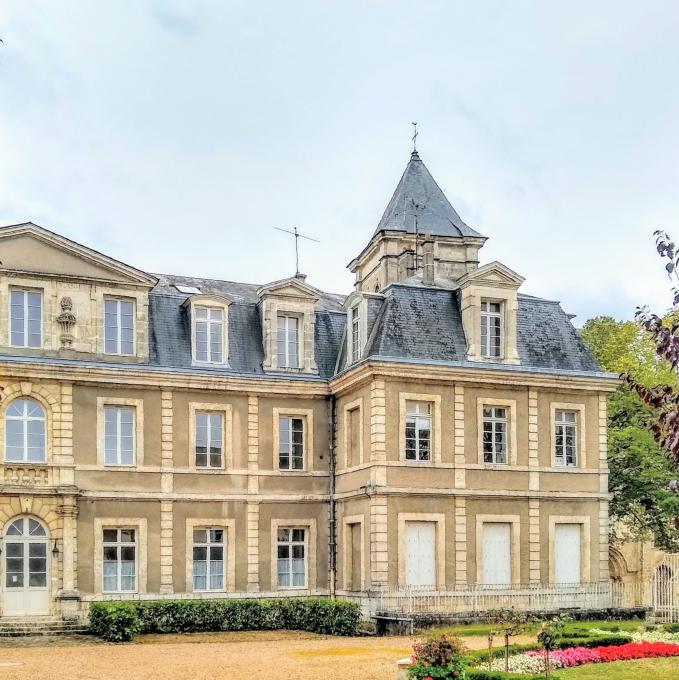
x: 356, y: 491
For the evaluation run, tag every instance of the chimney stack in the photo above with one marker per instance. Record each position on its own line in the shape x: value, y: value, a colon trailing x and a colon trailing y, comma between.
x: 428, y: 262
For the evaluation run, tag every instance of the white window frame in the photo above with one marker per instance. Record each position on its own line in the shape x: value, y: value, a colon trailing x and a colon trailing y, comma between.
x: 138, y: 405
x: 24, y: 419
x: 119, y: 326
x: 119, y: 545
x: 291, y: 544
x: 562, y: 423
x: 581, y: 435
x: 209, y: 322
x: 488, y: 316
x: 24, y: 331
x: 355, y: 319
x: 222, y: 430
x: 208, y: 545
x: 118, y: 409
x: 416, y: 418
x: 290, y: 444
x: 495, y: 421
x: 290, y: 359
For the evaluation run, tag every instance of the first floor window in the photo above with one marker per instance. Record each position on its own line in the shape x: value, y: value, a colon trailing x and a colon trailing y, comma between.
x: 418, y: 430
x: 119, y: 326
x: 491, y: 329
x: 25, y: 432
x: 494, y: 434
x: 119, y: 435
x: 292, y: 566
x: 287, y: 341
x: 25, y: 318
x: 566, y: 424
x: 120, y: 560
x: 209, y: 444
x: 291, y: 442
x: 208, y: 559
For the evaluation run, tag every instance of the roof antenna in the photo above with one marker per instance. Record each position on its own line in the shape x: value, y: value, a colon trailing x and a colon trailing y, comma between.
x: 297, y: 236
x: 415, y: 133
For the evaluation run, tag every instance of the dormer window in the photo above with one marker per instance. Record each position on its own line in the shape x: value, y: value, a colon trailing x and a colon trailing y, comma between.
x: 355, y: 334
x: 208, y: 332
x: 287, y: 340
x: 491, y: 329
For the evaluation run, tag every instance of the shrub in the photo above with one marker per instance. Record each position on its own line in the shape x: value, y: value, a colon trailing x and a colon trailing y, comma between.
x: 114, y: 621
x: 316, y: 615
x: 438, y: 656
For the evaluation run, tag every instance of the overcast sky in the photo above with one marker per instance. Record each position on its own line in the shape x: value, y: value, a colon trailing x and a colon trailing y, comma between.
x: 175, y: 135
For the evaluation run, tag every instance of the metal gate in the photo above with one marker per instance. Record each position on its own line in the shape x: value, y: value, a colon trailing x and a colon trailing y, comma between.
x: 666, y: 590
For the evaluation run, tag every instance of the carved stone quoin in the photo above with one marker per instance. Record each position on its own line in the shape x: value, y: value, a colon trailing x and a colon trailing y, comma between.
x: 67, y: 321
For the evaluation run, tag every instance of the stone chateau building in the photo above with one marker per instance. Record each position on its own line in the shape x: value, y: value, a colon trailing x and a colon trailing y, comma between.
x: 166, y: 436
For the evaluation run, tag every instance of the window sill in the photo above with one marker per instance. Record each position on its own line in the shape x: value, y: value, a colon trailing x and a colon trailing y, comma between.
x: 295, y: 588
x: 496, y: 466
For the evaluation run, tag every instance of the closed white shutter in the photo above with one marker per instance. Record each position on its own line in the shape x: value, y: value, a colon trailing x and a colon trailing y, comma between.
x: 497, y: 553
x: 567, y: 557
x: 421, y: 554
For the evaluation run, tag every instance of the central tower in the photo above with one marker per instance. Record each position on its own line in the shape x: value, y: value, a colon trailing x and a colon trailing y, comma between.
x: 420, y: 234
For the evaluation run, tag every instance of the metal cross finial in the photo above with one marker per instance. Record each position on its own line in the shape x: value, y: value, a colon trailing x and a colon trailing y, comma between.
x: 415, y: 133
x: 297, y: 236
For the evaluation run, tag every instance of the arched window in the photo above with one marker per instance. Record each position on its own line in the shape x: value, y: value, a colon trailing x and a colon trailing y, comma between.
x: 25, y: 432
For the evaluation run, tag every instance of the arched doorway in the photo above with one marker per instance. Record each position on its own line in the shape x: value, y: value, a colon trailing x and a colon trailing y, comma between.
x: 26, y: 568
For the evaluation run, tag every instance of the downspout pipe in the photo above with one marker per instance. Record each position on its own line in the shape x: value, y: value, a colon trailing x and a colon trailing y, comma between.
x: 332, y: 509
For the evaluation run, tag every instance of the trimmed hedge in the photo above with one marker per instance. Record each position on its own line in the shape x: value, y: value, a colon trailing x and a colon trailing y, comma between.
x: 121, y: 621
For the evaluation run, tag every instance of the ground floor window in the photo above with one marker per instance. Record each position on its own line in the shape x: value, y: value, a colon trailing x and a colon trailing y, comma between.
x: 208, y: 559
x: 120, y: 560
x: 292, y: 558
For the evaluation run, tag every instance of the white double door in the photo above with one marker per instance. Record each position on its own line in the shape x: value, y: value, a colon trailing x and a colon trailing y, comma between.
x: 567, y: 553
x: 421, y: 554
x: 26, y: 572
x: 497, y: 553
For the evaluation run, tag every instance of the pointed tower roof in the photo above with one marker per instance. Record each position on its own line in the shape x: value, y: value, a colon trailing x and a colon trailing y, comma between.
x: 418, y: 194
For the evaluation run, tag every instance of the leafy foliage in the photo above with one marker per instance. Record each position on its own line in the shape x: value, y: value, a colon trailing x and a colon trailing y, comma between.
x: 643, y: 505
x: 438, y: 656
x: 120, y: 621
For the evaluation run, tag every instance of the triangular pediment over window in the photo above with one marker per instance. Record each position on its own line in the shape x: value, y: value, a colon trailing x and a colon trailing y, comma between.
x: 292, y: 287
x: 492, y: 274
x: 31, y: 249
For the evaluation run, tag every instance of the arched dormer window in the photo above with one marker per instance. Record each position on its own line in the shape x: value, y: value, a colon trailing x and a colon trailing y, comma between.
x: 209, y: 328
x: 25, y: 432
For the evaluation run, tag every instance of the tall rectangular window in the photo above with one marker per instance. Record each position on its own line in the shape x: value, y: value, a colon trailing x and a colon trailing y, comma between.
x: 209, y: 440
x: 209, y: 334
x: 287, y: 341
x: 119, y: 326
x: 565, y: 437
x: 291, y: 443
x: 208, y: 559
x: 292, y: 565
x: 491, y: 329
x: 120, y: 560
x: 355, y: 334
x: 494, y: 434
x: 119, y: 444
x: 26, y: 318
x: 418, y: 430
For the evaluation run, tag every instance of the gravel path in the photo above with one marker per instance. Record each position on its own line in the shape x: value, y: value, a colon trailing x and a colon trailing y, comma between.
x: 209, y: 656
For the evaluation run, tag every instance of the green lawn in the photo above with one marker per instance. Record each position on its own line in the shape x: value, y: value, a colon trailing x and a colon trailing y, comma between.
x: 647, y: 669
x: 483, y: 628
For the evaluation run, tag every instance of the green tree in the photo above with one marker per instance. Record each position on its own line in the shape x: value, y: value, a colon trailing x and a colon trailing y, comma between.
x: 642, y: 506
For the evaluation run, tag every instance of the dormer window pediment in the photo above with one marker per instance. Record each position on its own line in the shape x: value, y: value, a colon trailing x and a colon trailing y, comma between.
x: 489, y: 305
x: 209, y: 316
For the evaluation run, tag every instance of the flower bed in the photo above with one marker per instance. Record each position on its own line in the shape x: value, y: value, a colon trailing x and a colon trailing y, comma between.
x: 533, y: 661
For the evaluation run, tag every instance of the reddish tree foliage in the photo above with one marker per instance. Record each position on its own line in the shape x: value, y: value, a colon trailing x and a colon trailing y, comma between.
x: 666, y: 339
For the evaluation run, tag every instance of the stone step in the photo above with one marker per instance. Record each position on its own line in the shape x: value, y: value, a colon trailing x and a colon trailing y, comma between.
x: 44, y: 633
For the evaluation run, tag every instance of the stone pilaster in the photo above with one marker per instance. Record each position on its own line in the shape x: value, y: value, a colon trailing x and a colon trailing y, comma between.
x: 603, y: 488
x: 253, y: 545
x: 63, y: 435
x: 534, y: 540
x: 166, y: 547
x: 603, y: 540
x: 533, y: 461
x: 460, y: 540
x: 379, y: 557
x: 68, y: 595
x: 378, y: 432
x: 460, y: 472
x: 253, y: 444
x: 166, y: 443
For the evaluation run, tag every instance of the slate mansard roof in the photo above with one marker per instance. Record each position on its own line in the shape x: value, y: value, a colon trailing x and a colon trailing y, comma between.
x: 409, y: 322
